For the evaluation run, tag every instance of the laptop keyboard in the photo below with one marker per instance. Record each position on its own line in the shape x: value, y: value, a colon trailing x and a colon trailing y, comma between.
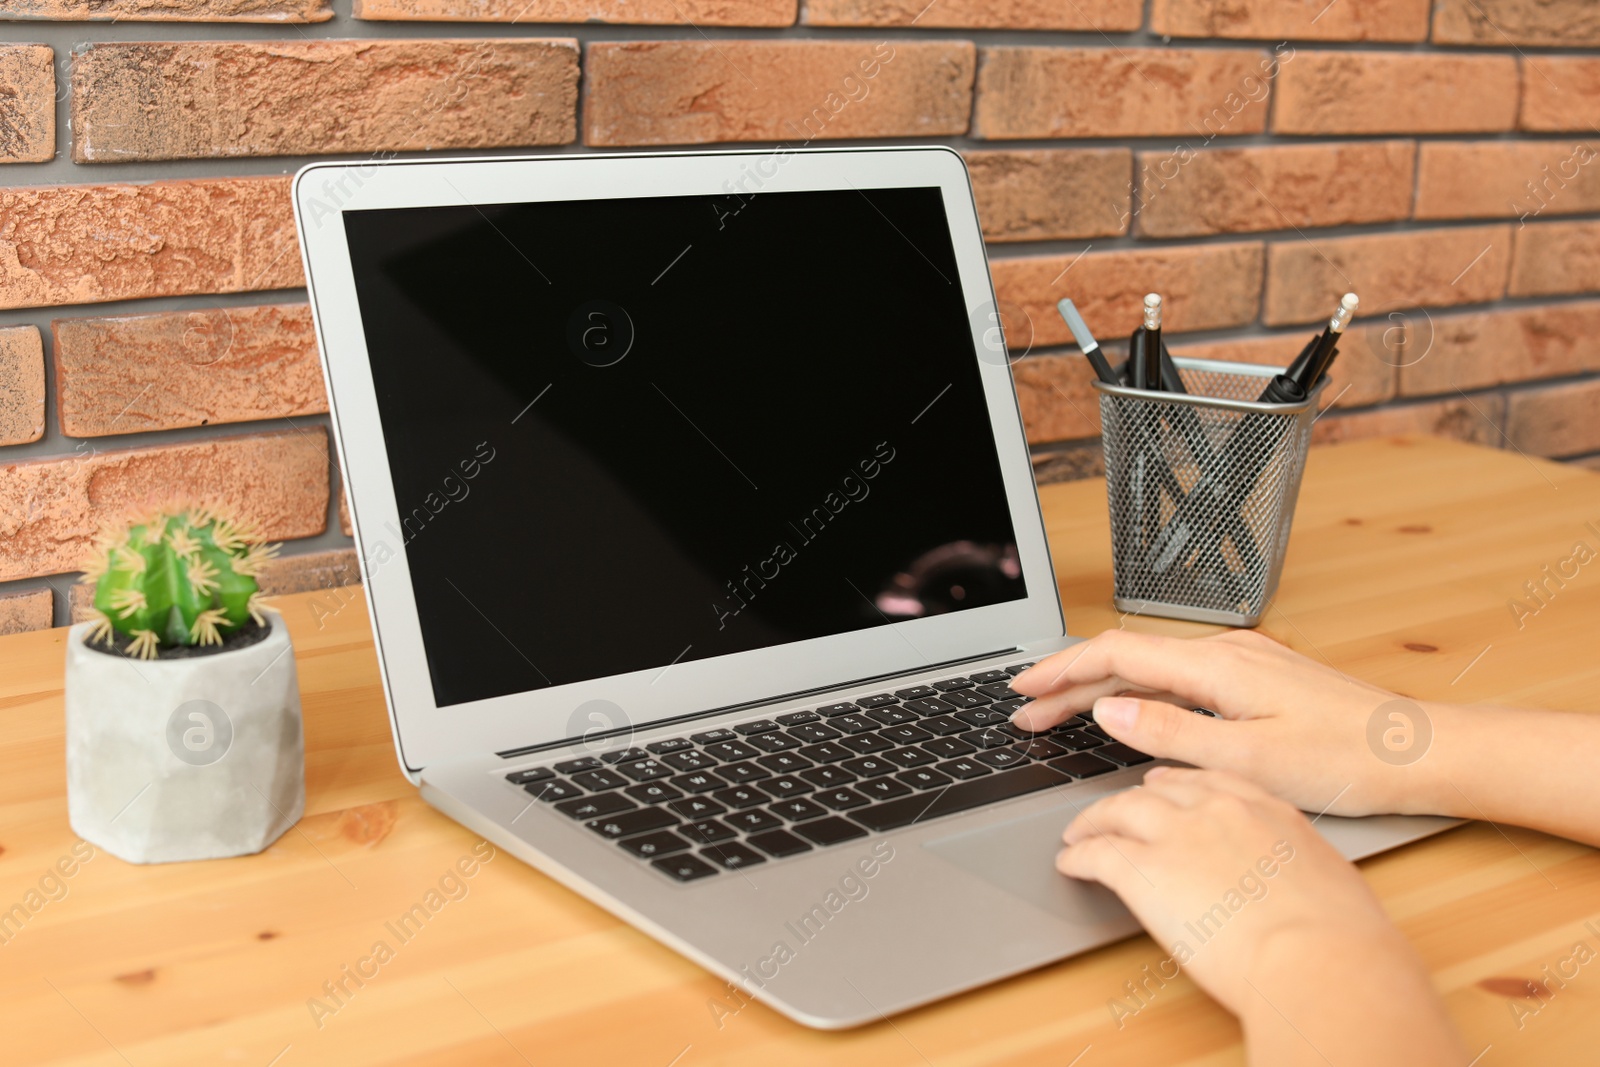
x: 734, y: 797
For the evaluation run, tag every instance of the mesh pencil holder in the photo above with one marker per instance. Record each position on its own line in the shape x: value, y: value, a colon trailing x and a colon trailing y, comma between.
x: 1202, y: 489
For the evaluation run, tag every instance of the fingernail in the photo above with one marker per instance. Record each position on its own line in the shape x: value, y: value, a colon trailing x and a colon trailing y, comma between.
x: 1116, y: 712
x: 1020, y: 717
x: 1156, y: 772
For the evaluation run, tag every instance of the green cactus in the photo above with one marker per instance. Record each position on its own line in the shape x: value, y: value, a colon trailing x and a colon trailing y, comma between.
x: 179, y: 577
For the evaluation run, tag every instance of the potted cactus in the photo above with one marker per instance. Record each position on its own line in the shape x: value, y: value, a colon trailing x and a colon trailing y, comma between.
x: 182, y: 702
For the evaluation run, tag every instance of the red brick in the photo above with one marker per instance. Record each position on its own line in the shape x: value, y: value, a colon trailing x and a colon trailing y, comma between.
x: 1424, y: 268
x: 27, y: 103
x: 1560, y: 93
x: 1028, y: 92
x: 130, y: 373
x: 1112, y: 16
x: 1301, y: 20
x: 77, y: 244
x: 1502, y: 23
x: 1052, y: 193
x: 1056, y: 399
x: 21, y: 385
x: 303, y: 573
x: 1473, y: 420
x: 1395, y: 92
x: 1563, y: 420
x: 1206, y: 287
x: 22, y: 612
x: 1556, y: 257
x: 1363, y: 374
x: 208, y: 99
x: 1443, y: 353
x: 1498, y: 179
x: 281, y: 11
x: 51, y: 509
x: 1234, y: 190
x: 624, y: 12
x: 701, y: 92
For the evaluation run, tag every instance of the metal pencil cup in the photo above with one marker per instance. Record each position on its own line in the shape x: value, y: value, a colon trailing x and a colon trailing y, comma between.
x: 1202, y: 489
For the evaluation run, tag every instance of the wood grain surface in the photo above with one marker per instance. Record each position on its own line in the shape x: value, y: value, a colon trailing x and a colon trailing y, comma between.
x: 1405, y: 558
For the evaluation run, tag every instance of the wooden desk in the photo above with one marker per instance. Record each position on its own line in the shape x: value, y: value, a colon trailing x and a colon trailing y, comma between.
x: 1404, y: 557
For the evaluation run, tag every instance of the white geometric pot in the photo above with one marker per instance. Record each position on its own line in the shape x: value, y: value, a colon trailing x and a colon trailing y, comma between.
x: 184, y: 759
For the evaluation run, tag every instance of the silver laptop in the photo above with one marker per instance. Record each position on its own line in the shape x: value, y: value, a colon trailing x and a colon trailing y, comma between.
x: 700, y: 542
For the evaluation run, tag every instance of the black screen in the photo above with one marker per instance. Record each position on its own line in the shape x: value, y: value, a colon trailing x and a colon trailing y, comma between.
x: 630, y: 433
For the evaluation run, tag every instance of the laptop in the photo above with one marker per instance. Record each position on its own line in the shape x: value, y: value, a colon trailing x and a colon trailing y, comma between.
x: 700, y: 541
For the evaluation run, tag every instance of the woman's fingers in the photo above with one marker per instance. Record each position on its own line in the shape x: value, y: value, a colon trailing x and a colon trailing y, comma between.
x: 1139, y: 814
x: 1169, y: 732
x: 1142, y: 661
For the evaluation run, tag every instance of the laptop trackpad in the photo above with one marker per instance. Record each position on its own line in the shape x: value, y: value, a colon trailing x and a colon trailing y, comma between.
x: 1019, y: 857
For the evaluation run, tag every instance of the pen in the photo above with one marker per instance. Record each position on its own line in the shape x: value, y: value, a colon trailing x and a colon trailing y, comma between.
x: 1086, y: 342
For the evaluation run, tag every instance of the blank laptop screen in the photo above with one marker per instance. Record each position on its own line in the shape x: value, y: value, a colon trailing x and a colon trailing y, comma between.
x: 625, y: 434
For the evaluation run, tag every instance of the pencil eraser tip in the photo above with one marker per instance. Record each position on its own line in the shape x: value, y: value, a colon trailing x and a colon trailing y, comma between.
x: 1152, y: 300
x: 1350, y: 301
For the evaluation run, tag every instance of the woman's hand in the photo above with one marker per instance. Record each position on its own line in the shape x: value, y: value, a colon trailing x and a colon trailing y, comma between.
x: 1294, y: 726
x: 1243, y: 893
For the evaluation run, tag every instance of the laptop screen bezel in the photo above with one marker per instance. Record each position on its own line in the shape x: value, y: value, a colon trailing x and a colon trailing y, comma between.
x: 426, y: 734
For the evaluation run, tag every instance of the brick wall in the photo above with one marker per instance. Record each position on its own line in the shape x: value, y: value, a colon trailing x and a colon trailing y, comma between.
x: 1251, y: 159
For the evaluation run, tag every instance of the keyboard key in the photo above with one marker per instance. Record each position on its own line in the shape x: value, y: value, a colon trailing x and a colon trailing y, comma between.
x: 1017, y: 732
x: 811, y: 733
x: 963, y: 768
x: 1042, y: 748
x: 553, y: 789
x: 1007, y: 707
x: 753, y: 822
x: 1075, y: 740
x: 688, y: 761
x: 877, y: 700
x: 730, y: 751
x: 706, y: 831
x: 999, y: 691
x: 660, y: 843
x: 826, y: 777
x: 893, y: 715
x: 929, y: 706
x: 582, y: 763
x: 596, y: 781
x: 696, y: 807
x: 982, y: 717
x: 628, y: 823
x: 944, y: 724
x: 826, y: 752
x: 842, y: 799
x: 798, y: 718
x: 986, y: 677
x: 966, y: 698
x: 784, y: 763
x: 1117, y: 752
x: 774, y: 742
x: 923, y: 778
x: 916, y: 692
x: 989, y: 738
x: 865, y: 744
x: 1081, y: 765
x: 699, y: 782
x: 740, y: 796
x: 1094, y: 729
x: 646, y: 770
x: 951, y: 684
x: 904, y: 735
x: 854, y: 722
x: 652, y: 792
x: 624, y: 755
x: 684, y: 868
x: 1017, y: 668
x: 1001, y: 758
x: 760, y: 726
x: 946, y: 747
x: 962, y: 796
x: 829, y: 831
x: 711, y: 737
x: 908, y: 757
x: 733, y: 855
x: 868, y: 766
x: 841, y: 708
x: 1207, y: 712
x: 594, y: 807
x: 532, y: 774
x: 798, y: 809
x: 883, y: 789
x: 779, y: 843
x: 672, y: 744
x: 786, y: 786
x: 740, y: 773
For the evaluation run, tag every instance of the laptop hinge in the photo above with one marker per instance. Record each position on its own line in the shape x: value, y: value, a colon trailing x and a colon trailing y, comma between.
x: 696, y: 716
